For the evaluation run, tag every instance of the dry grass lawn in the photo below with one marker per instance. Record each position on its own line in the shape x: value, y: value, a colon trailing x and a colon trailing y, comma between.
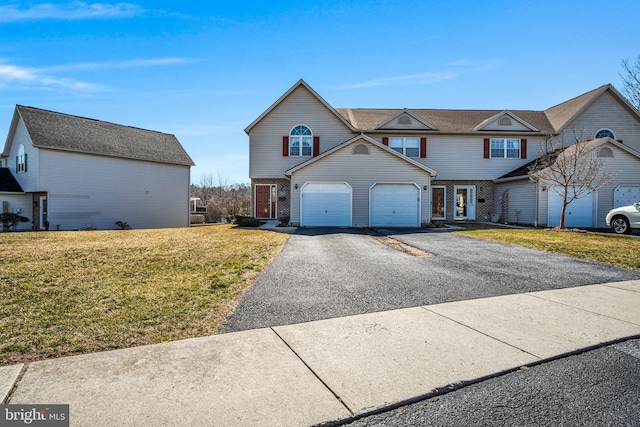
x: 621, y: 251
x: 66, y: 293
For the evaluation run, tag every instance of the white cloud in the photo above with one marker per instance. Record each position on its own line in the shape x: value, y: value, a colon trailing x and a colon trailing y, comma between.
x: 422, y: 78
x: 46, y: 77
x: 461, y: 66
x: 134, y: 63
x: 69, y: 11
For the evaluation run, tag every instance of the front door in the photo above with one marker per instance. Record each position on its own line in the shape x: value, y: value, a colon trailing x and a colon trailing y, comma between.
x: 265, y: 201
x: 465, y: 202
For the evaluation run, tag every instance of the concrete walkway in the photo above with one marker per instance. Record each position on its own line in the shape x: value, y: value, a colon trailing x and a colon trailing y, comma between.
x: 328, y: 370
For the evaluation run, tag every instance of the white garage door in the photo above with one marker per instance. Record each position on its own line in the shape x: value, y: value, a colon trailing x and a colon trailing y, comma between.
x: 579, y: 212
x: 395, y: 205
x: 325, y: 205
x: 626, y: 195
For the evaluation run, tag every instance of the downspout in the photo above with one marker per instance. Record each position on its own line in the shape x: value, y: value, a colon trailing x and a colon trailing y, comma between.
x: 535, y: 219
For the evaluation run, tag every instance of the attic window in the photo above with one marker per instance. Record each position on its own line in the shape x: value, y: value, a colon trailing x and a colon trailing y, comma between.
x: 605, y: 152
x: 605, y: 133
x: 404, y: 120
x: 360, y: 149
x: 505, y: 121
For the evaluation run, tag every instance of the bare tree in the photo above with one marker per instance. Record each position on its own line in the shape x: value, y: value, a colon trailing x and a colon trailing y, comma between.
x: 630, y: 75
x: 571, y: 169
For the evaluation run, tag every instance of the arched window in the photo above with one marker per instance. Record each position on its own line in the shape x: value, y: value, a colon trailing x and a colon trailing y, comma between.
x: 605, y: 152
x: 505, y: 121
x: 360, y: 149
x: 404, y: 120
x: 21, y: 160
x: 605, y: 133
x: 300, y: 141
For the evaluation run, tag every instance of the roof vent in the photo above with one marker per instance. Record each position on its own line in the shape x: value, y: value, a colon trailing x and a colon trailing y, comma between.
x: 360, y: 149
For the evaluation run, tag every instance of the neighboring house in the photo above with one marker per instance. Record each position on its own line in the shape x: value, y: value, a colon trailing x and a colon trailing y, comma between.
x: 324, y: 166
x: 66, y: 172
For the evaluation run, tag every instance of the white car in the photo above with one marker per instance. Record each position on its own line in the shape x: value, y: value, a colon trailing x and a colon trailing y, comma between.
x: 625, y: 218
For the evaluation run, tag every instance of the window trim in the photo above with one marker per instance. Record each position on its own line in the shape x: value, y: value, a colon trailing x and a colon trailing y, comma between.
x: 404, y: 145
x: 299, y: 139
x: 505, y: 148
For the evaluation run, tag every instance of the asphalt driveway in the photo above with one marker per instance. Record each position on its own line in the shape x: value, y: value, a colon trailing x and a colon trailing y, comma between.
x: 326, y: 273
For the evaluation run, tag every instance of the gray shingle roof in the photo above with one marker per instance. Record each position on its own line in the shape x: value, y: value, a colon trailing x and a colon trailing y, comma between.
x: 8, y: 182
x: 560, y: 114
x: 49, y: 129
x: 443, y: 120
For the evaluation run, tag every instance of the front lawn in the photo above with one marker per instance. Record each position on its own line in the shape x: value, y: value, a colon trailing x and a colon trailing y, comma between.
x: 65, y: 293
x: 621, y: 251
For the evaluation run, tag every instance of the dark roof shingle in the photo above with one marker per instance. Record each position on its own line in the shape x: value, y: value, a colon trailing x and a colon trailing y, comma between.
x: 49, y: 129
x: 8, y: 182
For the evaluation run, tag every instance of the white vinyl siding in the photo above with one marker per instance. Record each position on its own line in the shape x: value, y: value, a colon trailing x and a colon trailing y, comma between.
x: 361, y: 172
x: 20, y: 204
x: 461, y: 157
x: 522, y: 201
x: 607, y: 113
x: 96, y: 191
x: 265, y: 146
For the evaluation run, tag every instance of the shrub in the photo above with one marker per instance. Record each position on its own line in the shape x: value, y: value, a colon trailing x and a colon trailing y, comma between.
x: 123, y: 225
x: 246, y: 221
x: 284, y: 220
x: 9, y: 219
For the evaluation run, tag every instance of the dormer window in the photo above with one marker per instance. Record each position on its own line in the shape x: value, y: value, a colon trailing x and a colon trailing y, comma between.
x: 300, y: 141
x: 21, y: 160
x: 604, y: 133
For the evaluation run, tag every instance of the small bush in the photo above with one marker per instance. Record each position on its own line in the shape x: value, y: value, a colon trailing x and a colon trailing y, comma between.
x: 284, y: 220
x: 123, y: 225
x: 246, y: 221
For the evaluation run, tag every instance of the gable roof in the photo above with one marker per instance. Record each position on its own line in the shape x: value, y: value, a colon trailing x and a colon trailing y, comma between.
x: 286, y: 94
x: 8, y: 183
x: 410, y: 113
x: 506, y: 113
x: 58, y: 131
x: 454, y: 121
x: 523, y: 171
x: 327, y: 153
x: 562, y: 114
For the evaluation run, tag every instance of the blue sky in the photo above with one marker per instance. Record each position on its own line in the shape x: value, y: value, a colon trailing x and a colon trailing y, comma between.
x: 205, y: 70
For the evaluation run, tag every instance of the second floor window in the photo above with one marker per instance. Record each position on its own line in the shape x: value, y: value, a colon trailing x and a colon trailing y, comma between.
x: 505, y: 148
x: 410, y: 147
x: 21, y: 160
x: 300, y: 141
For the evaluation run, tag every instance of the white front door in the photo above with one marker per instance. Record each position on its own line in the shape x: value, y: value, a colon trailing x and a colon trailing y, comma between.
x: 465, y: 202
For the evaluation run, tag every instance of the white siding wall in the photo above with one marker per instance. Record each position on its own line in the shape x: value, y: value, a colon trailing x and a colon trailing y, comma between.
x: 522, y: 201
x: 28, y: 180
x: 608, y: 112
x: 361, y: 171
x: 87, y: 190
x: 18, y: 203
x: 299, y: 108
x: 460, y: 157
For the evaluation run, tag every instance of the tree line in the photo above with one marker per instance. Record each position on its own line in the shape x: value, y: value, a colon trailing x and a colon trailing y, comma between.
x: 221, y: 199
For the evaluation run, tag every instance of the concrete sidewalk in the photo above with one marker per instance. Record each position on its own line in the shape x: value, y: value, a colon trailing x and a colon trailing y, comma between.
x: 328, y: 370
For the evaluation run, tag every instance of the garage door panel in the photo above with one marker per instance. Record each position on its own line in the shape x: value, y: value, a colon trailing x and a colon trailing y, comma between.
x: 326, y: 204
x: 395, y: 205
x: 579, y: 212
